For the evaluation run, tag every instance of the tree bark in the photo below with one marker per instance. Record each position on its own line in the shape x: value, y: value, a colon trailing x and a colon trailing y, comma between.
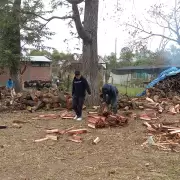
x: 16, y: 48
x: 17, y: 84
x: 88, y: 34
x: 90, y: 49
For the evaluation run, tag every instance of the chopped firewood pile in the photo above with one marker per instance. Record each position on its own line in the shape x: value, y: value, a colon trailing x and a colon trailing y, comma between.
x: 109, y: 121
x: 104, y: 118
x: 166, y: 105
x: 47, y: 98
x: 51, y: 98
x: 165, y: 137
x: 169, y: 87
x: 164, y: 97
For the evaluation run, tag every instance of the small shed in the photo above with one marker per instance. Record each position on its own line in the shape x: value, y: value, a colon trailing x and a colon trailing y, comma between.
x: 36, y: 68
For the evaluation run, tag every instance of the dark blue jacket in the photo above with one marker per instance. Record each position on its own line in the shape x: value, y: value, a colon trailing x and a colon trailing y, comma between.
x: 110, y: 91
x: 80, y: 86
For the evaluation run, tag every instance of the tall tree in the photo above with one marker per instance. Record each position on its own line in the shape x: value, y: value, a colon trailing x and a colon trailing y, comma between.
x: 111, y: 61
x: 126, y: 54
x: 59, y: 56
x: 37, y: 52
x: 87, y: 32
x: 55, y: 56
x: 10, y: 49
x: 19, y: 28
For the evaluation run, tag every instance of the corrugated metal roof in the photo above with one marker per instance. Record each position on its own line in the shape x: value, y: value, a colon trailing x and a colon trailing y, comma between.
x: 147, y: 69
x: 38, y: 58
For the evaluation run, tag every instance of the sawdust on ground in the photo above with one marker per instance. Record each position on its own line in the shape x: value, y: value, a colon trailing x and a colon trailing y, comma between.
x: 118, y: 156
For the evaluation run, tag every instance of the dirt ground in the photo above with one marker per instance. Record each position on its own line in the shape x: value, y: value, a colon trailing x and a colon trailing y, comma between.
x: 119, y: 155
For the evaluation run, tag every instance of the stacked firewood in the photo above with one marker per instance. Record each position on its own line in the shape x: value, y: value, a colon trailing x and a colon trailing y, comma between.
x: 168, y: 87
x: 161, y: 105
x: 165, y: 93
x: 47, y: 98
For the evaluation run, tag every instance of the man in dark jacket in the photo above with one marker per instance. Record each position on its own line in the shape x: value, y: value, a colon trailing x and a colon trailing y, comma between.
x: 79, y: 88
x: 110, y: 96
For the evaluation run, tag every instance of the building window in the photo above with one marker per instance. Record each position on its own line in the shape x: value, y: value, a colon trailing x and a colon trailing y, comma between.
x: 134, y: 76
x: 139, y: 75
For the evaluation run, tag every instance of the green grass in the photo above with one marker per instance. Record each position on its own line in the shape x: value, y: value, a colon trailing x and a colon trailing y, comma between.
x: 130, y: 90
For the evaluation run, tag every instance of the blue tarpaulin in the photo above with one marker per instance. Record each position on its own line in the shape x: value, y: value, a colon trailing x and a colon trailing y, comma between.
x: 168, y: 72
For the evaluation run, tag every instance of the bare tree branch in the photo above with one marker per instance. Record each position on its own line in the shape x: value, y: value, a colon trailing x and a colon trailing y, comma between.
x: 168, y: 21
x: 48, y: 19
x: 163, y: 42
x: 80, y: 29
x: 153, y: 34
x: 76, y: 17
x: 161, y: 24
x: 175, y: 19
x: 54, y: 17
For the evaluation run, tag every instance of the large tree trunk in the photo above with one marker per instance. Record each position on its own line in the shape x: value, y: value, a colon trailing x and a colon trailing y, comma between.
x: 16, y: 80
x: 16, y: 46
x: 88, y: 33
x: 90, y: 50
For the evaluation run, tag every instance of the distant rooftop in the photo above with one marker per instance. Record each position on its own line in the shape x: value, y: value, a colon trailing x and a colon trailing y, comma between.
x: 148, y: 69
x: 38, y: 59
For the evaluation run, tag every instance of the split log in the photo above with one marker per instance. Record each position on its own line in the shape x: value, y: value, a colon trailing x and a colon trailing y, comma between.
x: 144, y: 117
x: 76, y: 139
x: 77, y: 131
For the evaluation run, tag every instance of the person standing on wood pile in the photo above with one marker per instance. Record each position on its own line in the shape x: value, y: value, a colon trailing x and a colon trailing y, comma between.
x: 10, y: 84
x: 10, y: 87
x: 110, y: 96
x: 79, y: 88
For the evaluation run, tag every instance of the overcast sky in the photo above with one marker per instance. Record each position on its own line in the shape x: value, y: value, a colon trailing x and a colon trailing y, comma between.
x: 109, y: 28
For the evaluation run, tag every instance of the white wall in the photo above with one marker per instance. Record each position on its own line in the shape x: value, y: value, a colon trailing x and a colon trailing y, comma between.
x: 119, y: 79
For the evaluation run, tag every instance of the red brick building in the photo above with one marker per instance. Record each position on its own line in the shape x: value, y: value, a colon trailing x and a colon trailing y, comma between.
x: 38, y: 68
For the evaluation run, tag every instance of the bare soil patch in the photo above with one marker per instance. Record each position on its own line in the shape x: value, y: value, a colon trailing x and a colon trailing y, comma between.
x: 118, y: 156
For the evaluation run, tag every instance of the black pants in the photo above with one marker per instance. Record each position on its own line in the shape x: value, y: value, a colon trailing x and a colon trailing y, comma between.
x: 78, y: 105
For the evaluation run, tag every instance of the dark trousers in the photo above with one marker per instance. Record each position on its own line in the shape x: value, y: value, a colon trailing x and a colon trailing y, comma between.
x: 114, y: 104
x: 78, y: 105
